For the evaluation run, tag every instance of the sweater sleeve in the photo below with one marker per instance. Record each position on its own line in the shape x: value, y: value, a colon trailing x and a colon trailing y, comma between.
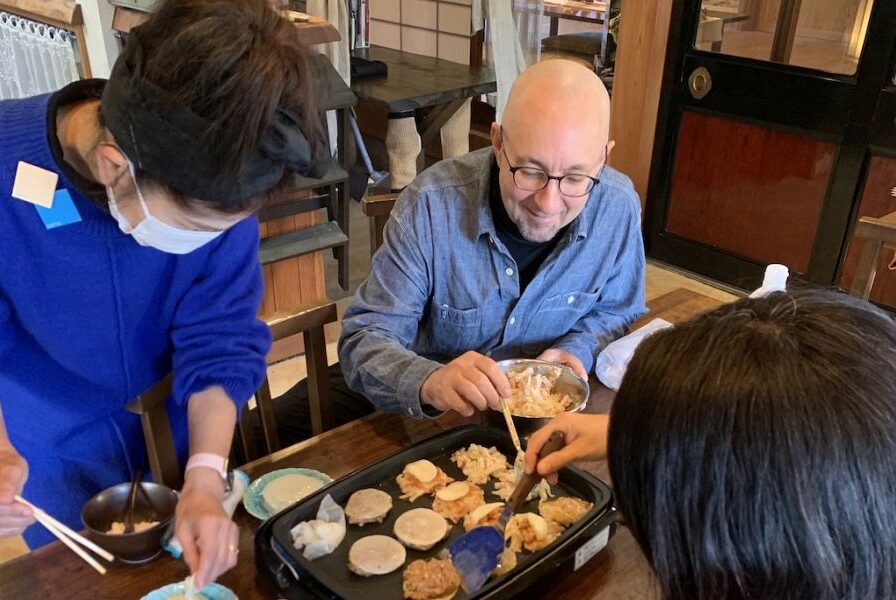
x: 217, y: 337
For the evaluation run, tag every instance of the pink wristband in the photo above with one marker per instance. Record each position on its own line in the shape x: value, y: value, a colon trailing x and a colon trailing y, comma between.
x: 216, y: 462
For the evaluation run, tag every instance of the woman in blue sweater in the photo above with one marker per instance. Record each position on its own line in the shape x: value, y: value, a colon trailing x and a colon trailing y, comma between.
x: 129, y: 251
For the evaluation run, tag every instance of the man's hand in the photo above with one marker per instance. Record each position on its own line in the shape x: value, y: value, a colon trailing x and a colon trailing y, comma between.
x: 14, y: 517
x: 556, y: 355
x: 586, y: 439
x: 468, y: 383
x: 209, y: 538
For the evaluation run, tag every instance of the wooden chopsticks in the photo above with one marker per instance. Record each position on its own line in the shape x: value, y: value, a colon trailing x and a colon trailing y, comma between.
x: 69, y: 538
x: 510, y: 426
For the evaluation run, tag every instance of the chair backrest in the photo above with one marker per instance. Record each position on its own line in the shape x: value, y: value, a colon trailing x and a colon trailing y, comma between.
x: 876, y: 232
x: 150, y: 405
x: 309, y: 320
x: 377, y: 208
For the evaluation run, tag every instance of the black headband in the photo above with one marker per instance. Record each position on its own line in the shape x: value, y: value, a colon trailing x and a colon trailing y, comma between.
x: 168, y: 141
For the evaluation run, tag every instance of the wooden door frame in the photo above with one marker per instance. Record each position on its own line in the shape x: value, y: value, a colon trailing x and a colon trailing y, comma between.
x: 860, y: 90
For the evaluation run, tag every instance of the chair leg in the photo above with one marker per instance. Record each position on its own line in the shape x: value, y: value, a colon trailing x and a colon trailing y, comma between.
x: 160, y: 449
x: 342, y: 252
x: 318, y: 380
x: 863, y: 280
x: 268, y: 419
x: 333, y: 210
x: 245, y: 444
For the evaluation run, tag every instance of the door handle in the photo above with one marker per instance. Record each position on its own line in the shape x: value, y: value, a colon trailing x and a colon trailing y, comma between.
x: 699, y: 83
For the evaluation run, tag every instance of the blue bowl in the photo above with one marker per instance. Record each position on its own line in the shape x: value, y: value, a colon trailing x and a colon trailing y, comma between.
x: 213, y: 591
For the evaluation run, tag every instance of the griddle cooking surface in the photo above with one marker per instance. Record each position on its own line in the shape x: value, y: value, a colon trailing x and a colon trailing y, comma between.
x: 329, y: 576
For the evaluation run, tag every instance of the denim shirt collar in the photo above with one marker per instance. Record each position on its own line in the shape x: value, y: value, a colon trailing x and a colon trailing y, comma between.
x: 578, y: 229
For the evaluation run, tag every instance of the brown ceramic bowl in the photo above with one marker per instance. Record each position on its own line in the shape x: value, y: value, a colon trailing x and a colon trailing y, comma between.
x: 108, y: 507
x: 567, y: 383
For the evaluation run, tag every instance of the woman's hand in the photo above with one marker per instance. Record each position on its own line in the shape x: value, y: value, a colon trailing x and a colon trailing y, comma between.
x: 209, y: 537
x: 586, y: 439
x: 14, y: 517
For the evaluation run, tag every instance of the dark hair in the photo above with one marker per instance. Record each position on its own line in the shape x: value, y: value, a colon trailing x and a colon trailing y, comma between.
x: 753, y: 450
x: 233, y: 63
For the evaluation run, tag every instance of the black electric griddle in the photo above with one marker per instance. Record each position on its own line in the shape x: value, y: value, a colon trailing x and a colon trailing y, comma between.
x: 294, y: 577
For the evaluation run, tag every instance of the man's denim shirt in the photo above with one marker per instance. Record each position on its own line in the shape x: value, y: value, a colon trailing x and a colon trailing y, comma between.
x: 443, y: 283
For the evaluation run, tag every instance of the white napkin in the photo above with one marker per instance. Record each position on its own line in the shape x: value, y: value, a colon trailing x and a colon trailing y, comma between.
x: 613, y: 360
x: 322, y: 535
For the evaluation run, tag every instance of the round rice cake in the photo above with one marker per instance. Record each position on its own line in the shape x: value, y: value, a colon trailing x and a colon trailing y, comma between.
x: 420, y: 528
x: 368, y: 506
x: 376, y: 555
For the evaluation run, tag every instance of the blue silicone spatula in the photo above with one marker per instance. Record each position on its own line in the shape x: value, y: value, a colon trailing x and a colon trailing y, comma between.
x: 475, y: 554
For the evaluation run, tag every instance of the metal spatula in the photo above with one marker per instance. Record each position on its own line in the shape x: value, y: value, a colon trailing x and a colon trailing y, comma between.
x: 475, y: 554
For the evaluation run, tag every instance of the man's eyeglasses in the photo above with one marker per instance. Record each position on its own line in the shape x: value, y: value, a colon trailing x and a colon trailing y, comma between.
x: 530, y: 179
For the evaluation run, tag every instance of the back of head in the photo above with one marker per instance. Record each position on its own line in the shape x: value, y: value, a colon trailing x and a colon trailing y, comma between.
x: 221, y: 75
x: 752, y: 448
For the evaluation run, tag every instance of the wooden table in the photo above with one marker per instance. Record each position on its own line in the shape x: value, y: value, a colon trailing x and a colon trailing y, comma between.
x: 415, y: 82
x: 619, y: 571
x: 574, y: 10
x: 726, y: 18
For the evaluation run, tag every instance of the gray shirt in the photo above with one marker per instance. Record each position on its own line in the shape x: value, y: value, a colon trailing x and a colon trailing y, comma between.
x: 442, y: 283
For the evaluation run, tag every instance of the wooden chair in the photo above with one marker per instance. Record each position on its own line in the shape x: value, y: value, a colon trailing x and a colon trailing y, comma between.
x: 377, y: 208
x: 308, y: 320
x: 876, y: 233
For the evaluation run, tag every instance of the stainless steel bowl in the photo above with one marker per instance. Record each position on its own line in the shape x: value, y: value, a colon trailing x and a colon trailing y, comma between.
x: 156, y: 504
x: 567, y: 383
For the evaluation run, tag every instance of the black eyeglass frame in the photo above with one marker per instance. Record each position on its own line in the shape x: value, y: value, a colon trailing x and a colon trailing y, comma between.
x: 514, y: 169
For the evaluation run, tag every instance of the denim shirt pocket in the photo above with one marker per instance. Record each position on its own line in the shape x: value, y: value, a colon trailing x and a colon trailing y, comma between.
x: 455, y: 330
x: 557, y: 314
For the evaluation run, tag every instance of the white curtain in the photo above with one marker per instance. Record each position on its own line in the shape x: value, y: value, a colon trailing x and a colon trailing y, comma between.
x: 34, y: 58
x: 514, y: 32
x: 336, y: 12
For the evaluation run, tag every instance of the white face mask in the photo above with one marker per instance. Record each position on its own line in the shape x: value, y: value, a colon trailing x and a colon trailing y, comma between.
x: 155, y: 233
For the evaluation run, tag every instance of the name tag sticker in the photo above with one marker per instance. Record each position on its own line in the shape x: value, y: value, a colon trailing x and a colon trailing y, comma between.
x: 34, y: 184
x: 63, y: 211
x: 587, y: 551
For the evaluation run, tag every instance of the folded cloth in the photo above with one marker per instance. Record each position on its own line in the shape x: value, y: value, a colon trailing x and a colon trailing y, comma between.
x: 361, y: 67
x: 613, y: 360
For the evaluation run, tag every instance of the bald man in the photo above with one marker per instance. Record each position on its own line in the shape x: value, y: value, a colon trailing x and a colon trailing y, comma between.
x: 529, y: 248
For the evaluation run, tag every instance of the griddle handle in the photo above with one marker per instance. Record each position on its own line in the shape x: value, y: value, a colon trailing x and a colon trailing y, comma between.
x: 519, y: 495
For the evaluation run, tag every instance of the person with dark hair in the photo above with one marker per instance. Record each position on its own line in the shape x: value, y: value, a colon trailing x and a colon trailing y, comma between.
x: 130, y: 250
x: 751, y: 450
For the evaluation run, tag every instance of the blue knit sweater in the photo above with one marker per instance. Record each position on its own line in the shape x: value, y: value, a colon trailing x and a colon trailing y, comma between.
x: 89, y: 319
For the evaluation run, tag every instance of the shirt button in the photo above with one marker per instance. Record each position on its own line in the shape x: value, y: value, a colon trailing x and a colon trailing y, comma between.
x: 509, y: 271
x: 512, y: 320
x: 571, y: 299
